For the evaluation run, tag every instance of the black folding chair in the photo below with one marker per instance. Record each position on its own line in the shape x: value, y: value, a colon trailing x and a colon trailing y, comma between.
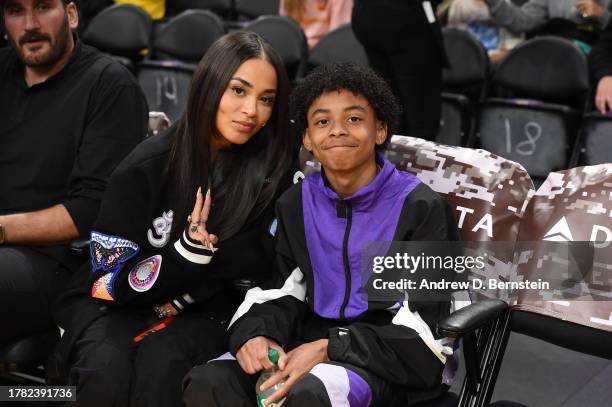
x: 339, y: 45
x: 123, y: 31
x: 288, y: 40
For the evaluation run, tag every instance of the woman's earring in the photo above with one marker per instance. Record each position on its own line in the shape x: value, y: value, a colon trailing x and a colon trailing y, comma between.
x: 264, y: 123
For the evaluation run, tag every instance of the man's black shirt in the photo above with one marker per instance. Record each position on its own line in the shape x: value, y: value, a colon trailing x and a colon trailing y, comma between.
x: 61, y: 139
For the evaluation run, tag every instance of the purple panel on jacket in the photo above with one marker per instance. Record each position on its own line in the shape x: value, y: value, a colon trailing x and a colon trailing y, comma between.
x: 375, y: 213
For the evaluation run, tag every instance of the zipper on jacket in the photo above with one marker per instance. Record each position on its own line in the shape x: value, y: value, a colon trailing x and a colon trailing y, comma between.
x: 345, y: 258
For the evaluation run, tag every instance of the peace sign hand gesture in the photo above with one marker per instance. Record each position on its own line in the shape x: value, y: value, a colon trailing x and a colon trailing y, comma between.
x: 197, y: 221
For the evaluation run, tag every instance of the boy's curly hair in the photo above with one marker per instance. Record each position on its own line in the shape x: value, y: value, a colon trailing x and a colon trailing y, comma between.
x: 357, y: 79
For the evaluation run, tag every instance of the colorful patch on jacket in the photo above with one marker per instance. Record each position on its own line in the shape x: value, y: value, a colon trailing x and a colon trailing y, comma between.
x: 109, y: 252
x: 103, y: 287
x: 144, y: 274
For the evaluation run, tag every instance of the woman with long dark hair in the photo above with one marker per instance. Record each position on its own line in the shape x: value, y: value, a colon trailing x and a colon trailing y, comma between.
x: 187, y: 214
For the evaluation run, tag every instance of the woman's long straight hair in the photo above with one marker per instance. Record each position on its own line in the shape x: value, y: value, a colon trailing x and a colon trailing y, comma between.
x: 244, y: 178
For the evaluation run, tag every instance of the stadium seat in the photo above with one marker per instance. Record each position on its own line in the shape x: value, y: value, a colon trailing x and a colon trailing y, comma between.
x: 545, y: 84
x: 123, y: 31
x: 464, y: 84
x: 287, y: 38
x: 469, y: 65
x: 339, y: 45
x: 548, y: 69
x: 568, y: 214
x: 455, y: 120
x: 595, y: 139
x: 255, y: 8
x: 223, y: 8
x: 177, y: 48
x: 187, y: 36
x: 166, y: 86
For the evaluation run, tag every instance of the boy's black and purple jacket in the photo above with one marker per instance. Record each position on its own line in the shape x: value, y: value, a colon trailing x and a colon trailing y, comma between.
x: 319, y: 292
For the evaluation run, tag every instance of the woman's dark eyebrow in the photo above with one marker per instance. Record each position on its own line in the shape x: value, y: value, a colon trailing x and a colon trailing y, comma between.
x: 249, y: 85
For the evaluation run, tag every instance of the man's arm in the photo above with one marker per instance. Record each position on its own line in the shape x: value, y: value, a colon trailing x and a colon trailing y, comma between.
x: 528, y: 17
x: 48, y: 226
x: 600, y: 62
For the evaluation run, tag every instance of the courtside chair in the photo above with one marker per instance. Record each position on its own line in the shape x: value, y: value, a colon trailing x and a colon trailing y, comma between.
x: 287, y: 38
x: 123, y: 31
x: 482, y: 186
x: 572, y: 209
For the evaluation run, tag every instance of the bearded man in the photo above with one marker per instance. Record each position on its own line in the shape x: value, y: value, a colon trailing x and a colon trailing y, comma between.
x: 68, y: 116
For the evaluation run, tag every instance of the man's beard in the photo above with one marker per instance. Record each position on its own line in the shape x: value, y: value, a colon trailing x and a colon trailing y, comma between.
x: 49, y: 58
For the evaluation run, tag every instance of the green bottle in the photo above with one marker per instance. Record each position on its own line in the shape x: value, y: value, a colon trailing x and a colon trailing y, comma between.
x: 263, y: 395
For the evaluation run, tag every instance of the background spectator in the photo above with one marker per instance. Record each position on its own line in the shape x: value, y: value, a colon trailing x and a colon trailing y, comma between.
x: 412, y: 65
x: 317, y: 17
x: 600, y: 62
x: 474, y: 16
x: 577, y: 19
x: 68, y: 116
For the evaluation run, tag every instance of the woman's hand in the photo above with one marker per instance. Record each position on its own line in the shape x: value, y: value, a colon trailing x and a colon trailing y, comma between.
x: 165, y: 310
x: 197, y: 221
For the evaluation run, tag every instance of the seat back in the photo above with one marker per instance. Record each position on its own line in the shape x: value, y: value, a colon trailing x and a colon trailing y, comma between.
x: 166, y: 86
x: 339, y: 45
x: 571, y: 208
x: 256, y: 8
x: 487, y: 192
x: 540, y: 136
x: 223, y: 8
x: 548, y: 69
x: 469, y: 64
x: 188, y: 36
x: 596, y: 139
x: 455, y: 120
x: 287, y: 38
x: 123, y: 30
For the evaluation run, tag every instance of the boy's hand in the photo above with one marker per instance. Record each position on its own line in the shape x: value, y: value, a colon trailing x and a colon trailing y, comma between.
x: 253, y: 355
x: 300, y: 362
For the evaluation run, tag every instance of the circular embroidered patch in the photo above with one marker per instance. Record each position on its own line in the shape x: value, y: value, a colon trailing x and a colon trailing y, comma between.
x: 143, y: 275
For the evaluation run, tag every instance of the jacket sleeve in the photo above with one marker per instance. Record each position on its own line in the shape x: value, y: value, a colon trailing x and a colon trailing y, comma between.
x: 406, y: 352
x: 116, y: 123
x: 129, y: 263
x: 527, y: 17
x: 274, y: 310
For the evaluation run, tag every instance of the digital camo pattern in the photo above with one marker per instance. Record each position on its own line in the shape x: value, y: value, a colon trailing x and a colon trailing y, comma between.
x: 488, y: 193
x: 573, y: 206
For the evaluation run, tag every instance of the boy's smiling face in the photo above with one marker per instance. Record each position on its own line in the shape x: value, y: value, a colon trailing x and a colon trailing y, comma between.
x: 343, y: 131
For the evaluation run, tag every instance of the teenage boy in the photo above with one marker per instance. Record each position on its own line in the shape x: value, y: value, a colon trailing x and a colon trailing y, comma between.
x: 338, y: 346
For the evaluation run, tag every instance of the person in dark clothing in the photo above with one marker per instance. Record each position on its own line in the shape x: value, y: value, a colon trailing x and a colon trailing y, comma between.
x: 600, y: 62
x: 158, y: 258
x: 68, y: 116
x: 404, y: 44
x: 338, y: 345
